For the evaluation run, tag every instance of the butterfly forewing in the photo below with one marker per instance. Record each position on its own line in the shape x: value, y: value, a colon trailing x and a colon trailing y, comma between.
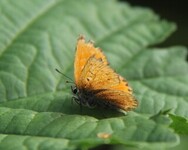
x: 83, y: 52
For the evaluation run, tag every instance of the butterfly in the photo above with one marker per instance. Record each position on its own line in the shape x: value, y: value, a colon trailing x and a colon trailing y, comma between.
x: 96, y: 83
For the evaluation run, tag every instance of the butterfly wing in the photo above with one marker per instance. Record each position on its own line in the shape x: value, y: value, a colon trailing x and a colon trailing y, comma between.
x: 106, y: 85
x: 117, y: 99
x: 83, y: 52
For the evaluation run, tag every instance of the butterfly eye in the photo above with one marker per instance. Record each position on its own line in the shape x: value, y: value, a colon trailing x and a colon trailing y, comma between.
x: 74, y: 89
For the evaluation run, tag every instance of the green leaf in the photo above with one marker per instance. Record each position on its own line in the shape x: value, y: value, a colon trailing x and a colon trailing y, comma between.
x: 82, y: 131
x: 183, y: 144
x: 164, y: 86
x: 21, y: 142
x: 35, y: 103
x: 179, y: 124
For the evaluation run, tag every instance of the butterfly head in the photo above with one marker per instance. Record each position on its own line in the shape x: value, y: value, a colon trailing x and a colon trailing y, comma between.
x: 83, y: 97
x: 76, y: 94
x: 80, y: 96
x: 75, y: 90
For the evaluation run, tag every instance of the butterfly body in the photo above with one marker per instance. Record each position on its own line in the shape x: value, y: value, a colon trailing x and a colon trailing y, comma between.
x: 96, y: 83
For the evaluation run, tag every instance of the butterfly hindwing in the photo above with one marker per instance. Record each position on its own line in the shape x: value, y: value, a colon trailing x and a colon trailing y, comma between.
x: 97, y: 75
x: 108, y: 87
x: 117, y: 99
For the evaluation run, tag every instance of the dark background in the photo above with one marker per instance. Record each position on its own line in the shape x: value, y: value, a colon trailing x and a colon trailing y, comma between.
x: 170, y: 10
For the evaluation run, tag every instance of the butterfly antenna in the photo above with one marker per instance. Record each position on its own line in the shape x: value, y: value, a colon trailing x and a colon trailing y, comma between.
x: 65, y: 76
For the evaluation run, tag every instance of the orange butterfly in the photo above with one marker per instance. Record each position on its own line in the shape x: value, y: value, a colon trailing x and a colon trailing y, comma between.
x: 96, y: 84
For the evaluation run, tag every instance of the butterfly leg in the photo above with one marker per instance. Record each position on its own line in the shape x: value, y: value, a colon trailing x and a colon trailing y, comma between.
x: 78, y: 102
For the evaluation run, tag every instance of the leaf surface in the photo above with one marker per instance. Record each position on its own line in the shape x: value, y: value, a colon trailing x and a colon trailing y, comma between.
x: 35, y: 102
